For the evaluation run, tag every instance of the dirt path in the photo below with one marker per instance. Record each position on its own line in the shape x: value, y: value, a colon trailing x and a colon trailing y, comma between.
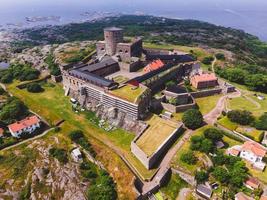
x: 212, y: 116
x: 184, y: 193
x: 28, y: 140
x: 213, y: 64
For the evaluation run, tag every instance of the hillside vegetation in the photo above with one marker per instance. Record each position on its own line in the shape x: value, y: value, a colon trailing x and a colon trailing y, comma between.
x: 248, y: 48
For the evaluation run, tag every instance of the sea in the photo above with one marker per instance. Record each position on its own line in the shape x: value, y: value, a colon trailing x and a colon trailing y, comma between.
x: 248, y: 15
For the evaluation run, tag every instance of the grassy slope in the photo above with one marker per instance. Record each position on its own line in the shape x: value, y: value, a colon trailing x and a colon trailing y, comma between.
x: 206, y: 104
x: 54, y: 106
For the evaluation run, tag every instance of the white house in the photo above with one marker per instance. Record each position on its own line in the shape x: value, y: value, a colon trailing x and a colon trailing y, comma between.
x: 27, y: 125
x: 76, y: 155
x: 254, y: 153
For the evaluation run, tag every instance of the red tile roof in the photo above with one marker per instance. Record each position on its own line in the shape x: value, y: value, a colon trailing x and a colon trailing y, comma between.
x: 1, y: 131
x: 242, y: 196
x: 204, y: 77
x: 263, y: 197
x: 253, y: 182
x: 25, y: 123
x: 234, y: 152
x: 156, y: 64
x: 255, y: 148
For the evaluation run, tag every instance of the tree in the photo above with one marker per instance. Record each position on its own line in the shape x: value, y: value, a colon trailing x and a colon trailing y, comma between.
x: 207, y: 60
x: 220, y: 174
x: 192, y: 119
x: 261, y: 123
x: 219, y: 159
x: 206, y: 146
x: 189, y: 158
x: 213, y: 134
x: 60, y: 154
x: 196, y: 142
x: 34, y: 88
x: 242, y: 117
x: 220, y: 56
x: 76, y: 135
x: 12, y: 110
x: 201, y: 176
x: 2, y: 91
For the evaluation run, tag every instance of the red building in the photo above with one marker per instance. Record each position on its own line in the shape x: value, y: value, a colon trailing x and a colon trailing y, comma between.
x: 156, y: 64
x: 202, y: 81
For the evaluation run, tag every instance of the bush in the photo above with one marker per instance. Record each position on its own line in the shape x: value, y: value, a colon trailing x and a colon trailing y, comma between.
x: 234, y: 137
x: 220, y: 56
x: 201, y: 176
x: 34, y: 88
x: 189, y: 158
x: 261, y: 123
x: 199, y: 143
x: 242, y: 117
x: 76, y: 135
x: 60, y: 154
x: 2, y: 91
x: 192, y: 119
x: 213, y: 134
x: 13, y: 110
x: 207, y: 60
x: 104, y: 188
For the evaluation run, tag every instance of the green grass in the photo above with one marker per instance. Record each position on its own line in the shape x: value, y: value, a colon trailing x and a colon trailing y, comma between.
x: 262, y: 176
x: 207, y: 104
x: 225, y: 122
x: 156, y: 134
x: 128, y: 93
x: 54, y: 106
x: 200, y: 53
x: 253, y: 133
x: 173, y: 187
x: 120, y: 79
x: 241, y: 103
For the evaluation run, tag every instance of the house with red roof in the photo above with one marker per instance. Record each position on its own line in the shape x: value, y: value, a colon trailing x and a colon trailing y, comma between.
x: 156, y: 64
x: 254, y: 153
x: 204, y: 80
x: 27, y: 125
x: 242, y: 196
x: 252, y: 183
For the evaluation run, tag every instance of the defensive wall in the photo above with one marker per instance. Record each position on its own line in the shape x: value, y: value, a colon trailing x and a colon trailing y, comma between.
x: 150, y: 161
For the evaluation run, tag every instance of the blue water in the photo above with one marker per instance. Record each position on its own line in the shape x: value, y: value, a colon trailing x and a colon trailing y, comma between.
x: 248, y: 15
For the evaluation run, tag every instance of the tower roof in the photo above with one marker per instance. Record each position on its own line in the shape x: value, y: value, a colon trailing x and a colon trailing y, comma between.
x: 113, y: 29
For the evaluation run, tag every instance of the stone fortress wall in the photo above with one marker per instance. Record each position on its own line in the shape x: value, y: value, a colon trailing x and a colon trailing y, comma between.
x: 150, y: 161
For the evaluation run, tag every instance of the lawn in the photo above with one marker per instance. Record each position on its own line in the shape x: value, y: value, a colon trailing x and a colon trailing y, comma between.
x: 200, y: 53
x: 225, y: 122
x: 156, y: 134
x: 173, y: 187
x: 206, y: 104
x: 241, y: 103
x: 178, y: 116
x: 262, y: 176
x: 250, y: 132
x: 120, y: 79
x: 128, y: 93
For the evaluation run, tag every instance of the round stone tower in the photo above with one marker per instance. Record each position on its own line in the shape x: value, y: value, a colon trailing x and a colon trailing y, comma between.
x: 113, y: 36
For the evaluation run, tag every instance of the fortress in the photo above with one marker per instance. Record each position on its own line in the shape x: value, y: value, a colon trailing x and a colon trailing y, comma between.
x: 95, y: 87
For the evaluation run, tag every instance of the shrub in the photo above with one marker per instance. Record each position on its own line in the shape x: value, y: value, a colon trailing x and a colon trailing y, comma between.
x: 60, y: 154
x: 76, y: 135
x: 201, y: 176
x: 192, y: 119
x: 34, y: 88
x: 242, y: 117
x: 213, y: 134
x: 189, y: 158
x: 220, y: 56
x: 2, y: 91
x: 261, y: 123
x: 207, y: 60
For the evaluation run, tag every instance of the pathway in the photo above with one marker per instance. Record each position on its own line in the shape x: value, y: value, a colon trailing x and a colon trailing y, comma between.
x: 28, y: 140
x: 213, y: 64
x: 184, y: 193
x: 213, y: 115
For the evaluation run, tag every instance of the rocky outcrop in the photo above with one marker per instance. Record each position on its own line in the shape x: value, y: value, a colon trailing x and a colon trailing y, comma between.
x: 115, y: 117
